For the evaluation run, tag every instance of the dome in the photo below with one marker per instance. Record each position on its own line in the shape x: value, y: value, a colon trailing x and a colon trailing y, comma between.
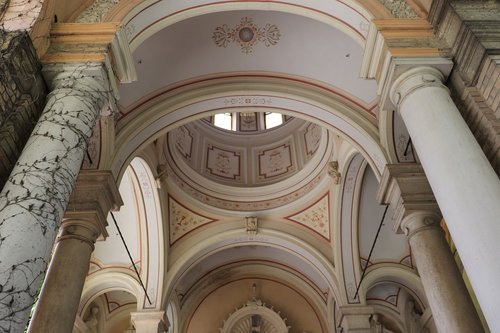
x: 274, y: 166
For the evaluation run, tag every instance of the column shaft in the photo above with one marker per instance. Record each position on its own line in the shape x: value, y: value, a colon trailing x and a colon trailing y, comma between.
x: 463, y: 181
x: 85, y: 219
x: 60, y: 295
x: 444, y: 287
x: 35, y: 196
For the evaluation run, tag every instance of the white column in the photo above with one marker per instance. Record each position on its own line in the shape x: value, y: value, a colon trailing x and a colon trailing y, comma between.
x: 149, y: 321
x: 35, y: 196
x: 465, y: 185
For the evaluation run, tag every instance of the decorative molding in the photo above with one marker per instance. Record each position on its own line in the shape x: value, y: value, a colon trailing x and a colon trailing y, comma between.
x: 316, y: 217
x: 246, y: 100
x: 247, y: 34
x: 96, y: 12
x: 244, y: 205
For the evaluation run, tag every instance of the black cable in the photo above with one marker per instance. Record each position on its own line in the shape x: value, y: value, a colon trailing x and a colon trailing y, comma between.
x: 90, y: 159
x: 130, y: 256
x: 407, y: 146
x: 371, y: 251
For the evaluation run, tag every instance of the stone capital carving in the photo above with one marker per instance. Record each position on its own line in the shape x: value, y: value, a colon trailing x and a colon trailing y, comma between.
x: 405, y: 187
x: 95, y: 194
x: 404, y: 75
x: 419, y: 221
x: 86, y: 230
x: 414, y: 79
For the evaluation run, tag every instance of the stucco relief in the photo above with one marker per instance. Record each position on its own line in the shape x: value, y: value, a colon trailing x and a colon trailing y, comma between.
x: 183, y: 220
x: 316, y: 217
x: 97, y: 11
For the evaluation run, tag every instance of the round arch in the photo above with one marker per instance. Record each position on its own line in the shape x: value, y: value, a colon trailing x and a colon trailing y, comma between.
x: 309, y: 256
x: 349, y: 16
x: 330, y: 109
x: 107, y: 280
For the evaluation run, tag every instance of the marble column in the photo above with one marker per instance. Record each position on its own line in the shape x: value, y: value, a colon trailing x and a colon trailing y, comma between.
x: 84, y: 221
x: 35, y: 196
x: 355, y: 319
x: 149, y: 321
x: 466, y: 187
x: 405, y: 187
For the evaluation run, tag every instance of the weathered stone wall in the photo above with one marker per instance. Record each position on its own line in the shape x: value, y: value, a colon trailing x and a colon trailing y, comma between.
x: 22, y: 96
x: 471, y: 32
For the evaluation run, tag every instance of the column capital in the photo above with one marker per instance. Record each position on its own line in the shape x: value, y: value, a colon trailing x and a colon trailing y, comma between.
x: 413, y: 79
x: 419, y: 221
x: 356, y: 318
x: 149, y: 321
x: 405, y: 187
x: 404, y: 75
x: 95, y: 194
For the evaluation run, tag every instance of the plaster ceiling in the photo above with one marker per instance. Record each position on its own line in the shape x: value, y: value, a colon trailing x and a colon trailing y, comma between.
x: 186, y: 51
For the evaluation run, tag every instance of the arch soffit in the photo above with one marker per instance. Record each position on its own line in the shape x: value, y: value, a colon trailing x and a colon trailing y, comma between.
x: 109, y: 279
x: 125, y: 10
x: 172, y: 109
x: 144, y: 19
x: 253, y: 269
x: 393, y: 273
x: 276, y: 239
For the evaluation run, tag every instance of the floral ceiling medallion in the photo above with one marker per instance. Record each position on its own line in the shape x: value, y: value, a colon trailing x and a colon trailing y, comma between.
x: 247, y: 34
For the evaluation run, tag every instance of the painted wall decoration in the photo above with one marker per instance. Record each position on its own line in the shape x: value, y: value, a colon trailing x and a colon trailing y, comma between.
x: 223, y: 163
x: 183, y: 141
x: 275, y: 162
x: 316, y: 217
x: 182, y: 220
x: 312, y: 138
x: 247, y: 34
x: 247, y: 121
